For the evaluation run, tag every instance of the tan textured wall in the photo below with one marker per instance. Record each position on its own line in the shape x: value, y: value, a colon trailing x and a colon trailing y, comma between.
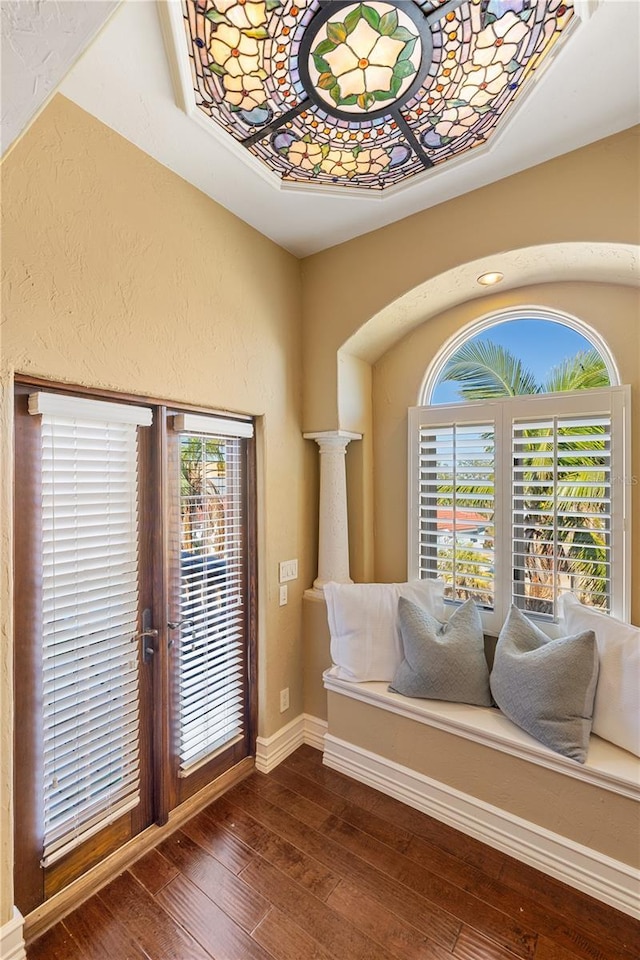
x: 317, y: 655
x: 589, y: 195
x: 118, y: 274
x: 584, y: 813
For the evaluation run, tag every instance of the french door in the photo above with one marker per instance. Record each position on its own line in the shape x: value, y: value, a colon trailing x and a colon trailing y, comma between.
x: 134, y: 621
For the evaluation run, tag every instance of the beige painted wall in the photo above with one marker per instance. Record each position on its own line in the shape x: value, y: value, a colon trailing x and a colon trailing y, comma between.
x: 118, y: 274
x: 614, y: 312
x: 584, y: 813
x: 589, y: 195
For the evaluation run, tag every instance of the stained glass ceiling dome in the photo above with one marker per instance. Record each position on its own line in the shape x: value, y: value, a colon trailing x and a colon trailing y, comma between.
x: 364, y: 95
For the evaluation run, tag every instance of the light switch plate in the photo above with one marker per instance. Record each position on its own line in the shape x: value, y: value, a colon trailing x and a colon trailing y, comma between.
x: 288, y: 570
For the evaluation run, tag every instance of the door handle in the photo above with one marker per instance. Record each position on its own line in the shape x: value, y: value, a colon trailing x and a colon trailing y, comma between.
x: 148, y: 633
x: 176, y: 624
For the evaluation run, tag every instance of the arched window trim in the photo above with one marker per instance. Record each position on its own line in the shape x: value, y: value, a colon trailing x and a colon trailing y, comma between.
x: 496, y: 317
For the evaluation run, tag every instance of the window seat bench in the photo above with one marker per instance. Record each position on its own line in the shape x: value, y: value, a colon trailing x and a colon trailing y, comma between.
x: 472, y: 768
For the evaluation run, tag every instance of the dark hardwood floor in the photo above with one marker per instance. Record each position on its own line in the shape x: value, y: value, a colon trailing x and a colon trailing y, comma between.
x: 306, y: 864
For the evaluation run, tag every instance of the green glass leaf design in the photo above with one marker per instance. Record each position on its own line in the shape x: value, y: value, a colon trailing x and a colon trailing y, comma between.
x: 512, y: 66
x: 403, y: 68
x: 356, y: 150
x: 273, y: 4
x: 352, y: 19
x: 233, y: 108
x: 455, y: 103
x: 402, y: 34
x: 261, y: 74
x: 485, y: 108
x: 316, y: 169
x: 325, y: 46
x: 365, y: 100
x: 215, y: 16
x: 396, y: 83
x: 322, y: 65
x: 526, y: 14
x: 326, y: 81
x: 388, y: 23
x: 445, y: 140
x: 350, y: 100
x: 334, y: 93
x: 256, y: 33
x: 371, y: 16
x: 324, y: 149
x: 217, y: 69
x: 384, y: 94
x: 337, y: 32
x: 408, y: 49
x: 306, y: 138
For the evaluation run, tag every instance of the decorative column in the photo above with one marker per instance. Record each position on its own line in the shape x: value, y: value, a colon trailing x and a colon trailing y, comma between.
x: 333, y: 531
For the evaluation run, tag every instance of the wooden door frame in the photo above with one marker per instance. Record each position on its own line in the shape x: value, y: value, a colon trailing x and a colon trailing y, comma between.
x: 32, y: 884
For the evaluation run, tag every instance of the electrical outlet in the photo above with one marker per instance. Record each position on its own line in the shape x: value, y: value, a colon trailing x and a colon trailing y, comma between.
x: 288, y: 570
x: 283, y: 595
x: 284, y: 699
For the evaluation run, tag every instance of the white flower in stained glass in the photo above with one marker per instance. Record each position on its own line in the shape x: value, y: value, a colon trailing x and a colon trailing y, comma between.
x: 483, y: 84
x: 245, y: 92
x: 500, y: 41
x: 304, y: 155
x: 339, y: 163
x: 234, y: 51
x: 455, y: 121
x: 341, y: 60
x: 243, y: 14
x: 372, y: 161
x: 369, y: 57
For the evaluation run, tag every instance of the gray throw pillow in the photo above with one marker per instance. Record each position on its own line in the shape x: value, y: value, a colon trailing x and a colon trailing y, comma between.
x: 442, y: 661
x: 546, y: 687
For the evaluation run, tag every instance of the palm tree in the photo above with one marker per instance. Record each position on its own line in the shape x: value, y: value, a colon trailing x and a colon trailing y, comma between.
x: 484, y: 370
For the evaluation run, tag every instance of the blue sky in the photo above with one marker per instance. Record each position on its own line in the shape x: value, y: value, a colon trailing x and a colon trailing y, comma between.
x: 541, y: 344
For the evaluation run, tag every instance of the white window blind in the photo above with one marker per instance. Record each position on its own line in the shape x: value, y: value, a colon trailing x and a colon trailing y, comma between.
x: 523, y: 499
x: 212, y: 650
x: 89, y: 615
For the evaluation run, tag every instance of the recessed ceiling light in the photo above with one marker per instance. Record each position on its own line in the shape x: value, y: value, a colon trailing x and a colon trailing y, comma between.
x: 488, y: 279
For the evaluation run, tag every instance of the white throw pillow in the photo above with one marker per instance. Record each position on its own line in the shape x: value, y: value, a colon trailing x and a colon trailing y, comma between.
x: 365, y: 637
x: 616, y: 712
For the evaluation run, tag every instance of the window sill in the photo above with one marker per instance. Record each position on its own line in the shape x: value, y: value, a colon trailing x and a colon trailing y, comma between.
x: 608, y: 766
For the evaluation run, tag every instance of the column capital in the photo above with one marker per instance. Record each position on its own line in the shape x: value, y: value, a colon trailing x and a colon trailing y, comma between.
x: 332, y: 439
x: 330, y: 434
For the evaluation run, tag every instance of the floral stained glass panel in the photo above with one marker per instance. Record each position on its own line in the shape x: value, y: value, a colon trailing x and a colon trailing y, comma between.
x: 364, y: 94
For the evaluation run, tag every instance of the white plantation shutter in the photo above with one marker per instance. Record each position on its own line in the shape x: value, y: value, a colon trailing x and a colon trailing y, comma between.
x: 568, y: 457
x: 523, y: 499
x: 212, y: 644
x: 454, y: 494
x: 89, y: 615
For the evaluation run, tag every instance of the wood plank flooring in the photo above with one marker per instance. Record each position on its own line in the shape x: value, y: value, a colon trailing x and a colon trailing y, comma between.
x: 306, y: 864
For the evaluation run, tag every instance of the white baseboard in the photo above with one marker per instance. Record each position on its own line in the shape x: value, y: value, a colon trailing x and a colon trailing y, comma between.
x: 608, y: 880
x: 270, y: 751
x: 11, y: 938
x: 315, y: 731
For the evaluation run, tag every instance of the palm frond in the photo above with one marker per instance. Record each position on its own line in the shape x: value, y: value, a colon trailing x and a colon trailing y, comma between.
x: 485, y: 370
x: 583, y: 371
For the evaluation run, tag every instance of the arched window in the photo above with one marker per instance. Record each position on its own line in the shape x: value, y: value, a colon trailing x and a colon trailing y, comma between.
x: 518, y: 455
